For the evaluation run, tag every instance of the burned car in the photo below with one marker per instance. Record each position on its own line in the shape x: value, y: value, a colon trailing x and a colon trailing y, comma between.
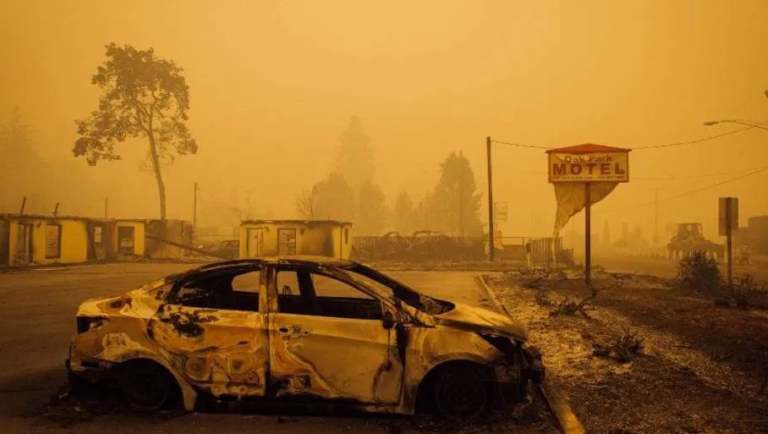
x: 300, y: 329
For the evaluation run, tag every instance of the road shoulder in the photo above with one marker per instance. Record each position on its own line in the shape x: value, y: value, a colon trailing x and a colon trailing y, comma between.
x: 555, y: 399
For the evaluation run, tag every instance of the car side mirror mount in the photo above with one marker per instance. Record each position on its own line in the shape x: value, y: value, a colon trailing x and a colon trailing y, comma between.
x: 388, y: 322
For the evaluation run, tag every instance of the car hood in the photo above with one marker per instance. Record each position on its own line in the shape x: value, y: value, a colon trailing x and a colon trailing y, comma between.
x: 482, y: 321
x: 136, y: 301
x: 96, y: 306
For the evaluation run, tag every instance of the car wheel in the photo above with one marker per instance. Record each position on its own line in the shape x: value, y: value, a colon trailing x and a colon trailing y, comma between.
x: 75, y: 383
x: 146, y: 387
x: 461, y: 394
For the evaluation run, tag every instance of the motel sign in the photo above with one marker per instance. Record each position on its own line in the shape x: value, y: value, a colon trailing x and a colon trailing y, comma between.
x: 583, y: 175
x: 588, y: 163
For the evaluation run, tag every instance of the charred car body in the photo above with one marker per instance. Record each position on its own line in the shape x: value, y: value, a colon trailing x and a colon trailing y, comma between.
x: 296, y: 329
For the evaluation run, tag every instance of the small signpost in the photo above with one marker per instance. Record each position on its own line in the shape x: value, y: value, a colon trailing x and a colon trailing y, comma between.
x: 728, y: 221
x: 587, y: 164
x: 500, y: 211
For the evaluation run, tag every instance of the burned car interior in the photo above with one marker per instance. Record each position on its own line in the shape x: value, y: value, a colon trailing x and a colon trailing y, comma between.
x: 305, y: 292
x: 301, y: 291
x: 237, y: 290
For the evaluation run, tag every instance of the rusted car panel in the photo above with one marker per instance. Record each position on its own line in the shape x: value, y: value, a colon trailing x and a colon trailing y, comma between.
x: 221, y: 352
x: 377, y: 361
x: 308, y: 358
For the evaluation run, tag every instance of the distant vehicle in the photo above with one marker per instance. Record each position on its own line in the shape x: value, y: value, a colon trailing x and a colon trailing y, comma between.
x: 689, y: 237
x: 301, y: 329
x: 743, y: 255
x: 428, y: 234
x: 229, y: 249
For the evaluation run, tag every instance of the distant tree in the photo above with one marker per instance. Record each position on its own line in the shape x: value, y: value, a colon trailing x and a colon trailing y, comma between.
x: 334, y: 199
x: 17, y: 146
x: 306, y: 203
x: 22, y: 171
x: 428, y: 214
x: 372, y: 211
x: 404, y: 214
x: 355, y: 158
x: 144, y: 97
x: 455, y: 203
x: 637, y: 239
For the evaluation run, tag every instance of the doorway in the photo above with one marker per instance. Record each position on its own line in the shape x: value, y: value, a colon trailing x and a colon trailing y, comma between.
x: 255, y: 243
x: 286, y: 242
x: 125, y: 240
x: 23, y: 252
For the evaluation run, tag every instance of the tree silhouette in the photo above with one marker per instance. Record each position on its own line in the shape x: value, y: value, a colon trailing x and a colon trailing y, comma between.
x: 455, y: 203
x: 144, y: 97
x: 404, y: 214
x: 355, y: 158
x: 20, y: 159
x: 372, y: 212
x: 306, y: 203
x: 334, y: 199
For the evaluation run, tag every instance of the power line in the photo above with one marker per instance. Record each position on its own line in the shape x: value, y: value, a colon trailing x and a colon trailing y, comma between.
x: 518, y: 145
x: 688, y: 193
x: 665, y: 145
x: 528, y: 172
x: 703, y: 139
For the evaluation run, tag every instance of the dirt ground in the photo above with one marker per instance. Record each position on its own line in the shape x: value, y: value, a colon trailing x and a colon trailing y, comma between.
x: 699, y: 371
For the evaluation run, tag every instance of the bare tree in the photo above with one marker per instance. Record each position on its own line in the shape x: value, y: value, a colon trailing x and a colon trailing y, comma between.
x: 306, y: 203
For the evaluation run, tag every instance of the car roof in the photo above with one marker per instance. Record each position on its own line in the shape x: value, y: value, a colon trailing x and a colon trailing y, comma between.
x: 293, y: 259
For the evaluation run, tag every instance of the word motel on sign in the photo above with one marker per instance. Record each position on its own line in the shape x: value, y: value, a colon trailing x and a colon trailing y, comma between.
x: 590, y: 167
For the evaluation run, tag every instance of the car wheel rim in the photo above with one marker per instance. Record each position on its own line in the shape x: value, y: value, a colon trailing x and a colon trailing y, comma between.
x: 461, y: 396
x: 147, y: 390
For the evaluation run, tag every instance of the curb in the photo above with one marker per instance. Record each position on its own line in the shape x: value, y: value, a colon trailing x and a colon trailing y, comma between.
x: 555, y: 400
x: 491, y: 295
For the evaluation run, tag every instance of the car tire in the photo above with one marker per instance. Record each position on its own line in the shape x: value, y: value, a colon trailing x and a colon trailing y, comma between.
x: 147, y: 387
x: 75, y: 383
x: 461, y: 394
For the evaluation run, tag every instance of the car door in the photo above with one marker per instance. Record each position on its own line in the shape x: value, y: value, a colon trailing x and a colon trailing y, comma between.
x: 214, y: 333
x: 318, y: 350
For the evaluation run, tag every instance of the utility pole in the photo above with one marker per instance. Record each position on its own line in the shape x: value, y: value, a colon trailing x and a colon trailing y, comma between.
x: 587, y: 233
x: 491, y: 247
x: 248, y: 206
x: 56, y: 210
x: 656, y: 221
x: 729, y: 241
x: 194, y: 211
x: 23, y: 205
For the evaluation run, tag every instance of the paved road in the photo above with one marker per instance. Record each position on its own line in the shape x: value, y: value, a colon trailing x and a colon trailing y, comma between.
x: 37, y: 318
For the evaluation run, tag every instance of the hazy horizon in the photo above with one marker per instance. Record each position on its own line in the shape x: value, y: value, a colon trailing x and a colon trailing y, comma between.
x: 273, y: 86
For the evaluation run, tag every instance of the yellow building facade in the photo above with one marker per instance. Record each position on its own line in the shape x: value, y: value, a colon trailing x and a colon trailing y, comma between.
x: 42, y: 240
x: 27, y: 240
x: 263, y: 238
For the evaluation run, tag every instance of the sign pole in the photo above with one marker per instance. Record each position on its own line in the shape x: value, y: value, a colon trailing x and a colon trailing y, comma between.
x: 491, y: 247
x: 194, y: 211
x: 588, y: 234
x: 729, y: 239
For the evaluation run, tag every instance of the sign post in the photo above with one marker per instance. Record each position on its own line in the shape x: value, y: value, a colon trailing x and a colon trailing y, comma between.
x: 490, y: 199
x: 587, y: 234
x: 500, y: 211
x: 728, y: 221
x: 583, y: 175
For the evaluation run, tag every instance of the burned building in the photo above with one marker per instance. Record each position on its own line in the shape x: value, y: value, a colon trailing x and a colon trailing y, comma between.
x: 261, y: 238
